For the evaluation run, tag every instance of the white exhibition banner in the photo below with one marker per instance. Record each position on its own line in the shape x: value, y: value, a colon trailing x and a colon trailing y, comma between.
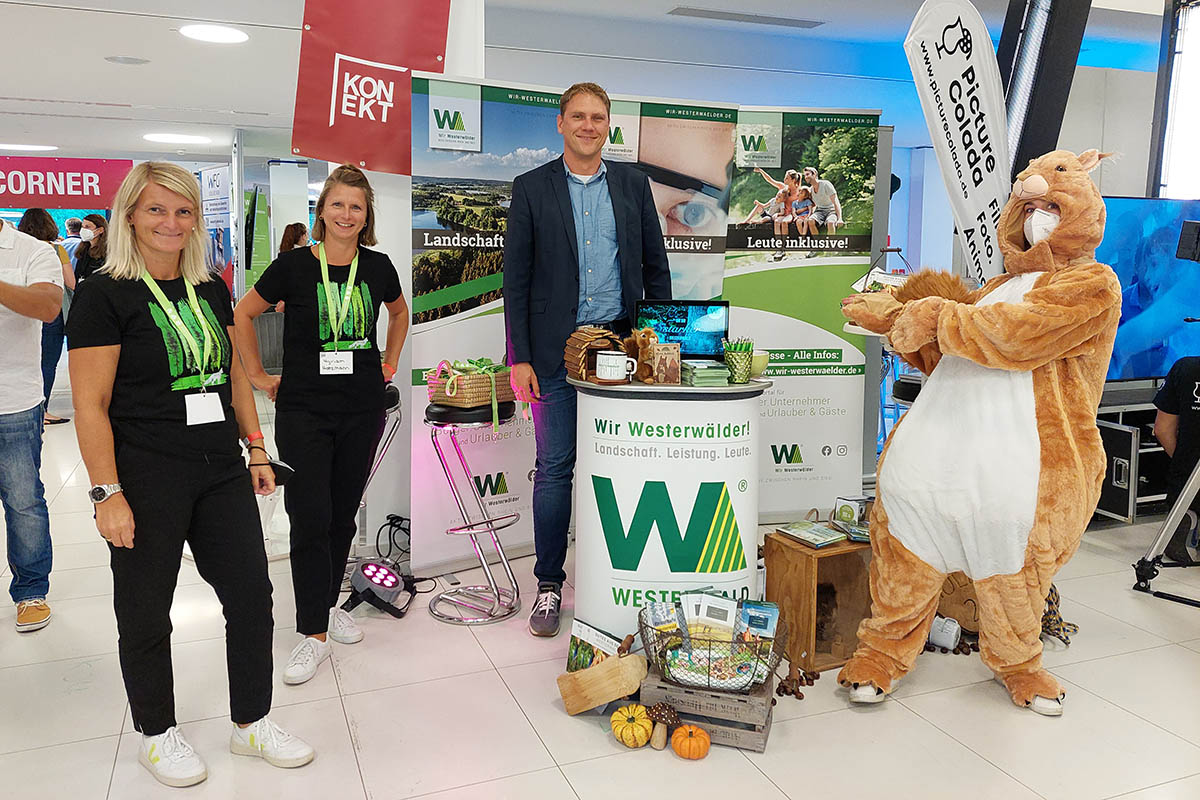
x: 666, y: 500
x: 958, y: 81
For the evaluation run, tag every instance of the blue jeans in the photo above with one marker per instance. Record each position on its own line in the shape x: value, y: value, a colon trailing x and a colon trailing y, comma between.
x: 24, y: 500
x: 52, y: 344
x: 554, y: 434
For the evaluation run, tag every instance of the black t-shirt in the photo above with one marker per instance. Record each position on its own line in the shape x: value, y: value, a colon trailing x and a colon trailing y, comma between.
x: 156, y: 368
x: 295, y: 278
x: 1180, y: 395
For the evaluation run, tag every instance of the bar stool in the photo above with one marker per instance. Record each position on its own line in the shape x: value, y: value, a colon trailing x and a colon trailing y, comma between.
x: 473, y: 605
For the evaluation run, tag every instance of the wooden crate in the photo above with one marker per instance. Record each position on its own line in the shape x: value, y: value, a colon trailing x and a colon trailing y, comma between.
x: 823, y: 594
x: 731, y: 719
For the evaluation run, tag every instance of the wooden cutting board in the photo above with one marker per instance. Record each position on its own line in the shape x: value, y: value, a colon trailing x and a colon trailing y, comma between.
x: 613, y: 678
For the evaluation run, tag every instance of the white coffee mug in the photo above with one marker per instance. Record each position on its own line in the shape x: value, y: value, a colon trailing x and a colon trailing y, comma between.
x: 612, y: 365
x: 945, y: 632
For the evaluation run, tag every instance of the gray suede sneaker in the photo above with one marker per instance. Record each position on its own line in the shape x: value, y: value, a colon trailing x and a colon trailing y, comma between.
x: 546, y: 610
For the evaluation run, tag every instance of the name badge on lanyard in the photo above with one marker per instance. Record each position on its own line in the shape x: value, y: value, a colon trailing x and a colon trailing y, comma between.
x: 201, y: 407
x: 337, y: 362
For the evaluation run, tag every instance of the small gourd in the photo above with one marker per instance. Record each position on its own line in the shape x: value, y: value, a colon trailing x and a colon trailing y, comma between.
x: 690, y: 742
x: 631, y: 725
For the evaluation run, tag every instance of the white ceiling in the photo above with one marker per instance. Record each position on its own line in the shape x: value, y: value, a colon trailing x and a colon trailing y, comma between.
x: 56, y: 87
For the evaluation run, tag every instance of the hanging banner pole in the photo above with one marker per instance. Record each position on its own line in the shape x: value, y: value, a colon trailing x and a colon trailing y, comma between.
x: 958, y: 81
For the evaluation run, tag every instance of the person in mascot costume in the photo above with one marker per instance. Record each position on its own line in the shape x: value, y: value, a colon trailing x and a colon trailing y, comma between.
x: 997, y: 467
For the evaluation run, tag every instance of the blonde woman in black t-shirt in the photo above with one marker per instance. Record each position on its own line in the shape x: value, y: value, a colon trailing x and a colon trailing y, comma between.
x: 329, y: 402
x: 159, y: 401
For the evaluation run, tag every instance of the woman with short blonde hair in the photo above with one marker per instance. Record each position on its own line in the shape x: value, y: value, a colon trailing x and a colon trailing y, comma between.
x: 159, y: 400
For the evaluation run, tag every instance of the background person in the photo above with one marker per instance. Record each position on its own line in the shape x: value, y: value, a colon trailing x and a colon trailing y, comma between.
x: 30, y: 294
x: 294, y: 235
x: 160, y: 401
x: 93, y: 248
x: 1177, y: 428
x: 72, y: 241
x: 329, y: 412
x: 38, y: 223
x: 562, y: 272
x: 828, y: 208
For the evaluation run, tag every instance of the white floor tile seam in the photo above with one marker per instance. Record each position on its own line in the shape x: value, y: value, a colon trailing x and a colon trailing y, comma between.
x: 493, y: 780
x: 963, y: 744
x: 116, y: 736
x: 1131, y: 712
x: 525, y: 714
x: 362, y: 780
x: 467, y: 674
x: 1102, y: 612
x: 1153, y: 786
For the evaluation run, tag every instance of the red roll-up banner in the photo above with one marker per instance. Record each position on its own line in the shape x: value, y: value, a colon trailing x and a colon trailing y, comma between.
x: 354, y: 92
x: 31, y: 182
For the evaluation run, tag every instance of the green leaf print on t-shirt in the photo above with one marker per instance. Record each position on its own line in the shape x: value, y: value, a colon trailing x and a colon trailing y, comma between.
x: 355, y: 333
x: 180, y: 360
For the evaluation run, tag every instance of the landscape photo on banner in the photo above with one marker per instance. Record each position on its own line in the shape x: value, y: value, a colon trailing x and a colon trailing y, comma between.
x: 785, y: 288
x: 468, y: 143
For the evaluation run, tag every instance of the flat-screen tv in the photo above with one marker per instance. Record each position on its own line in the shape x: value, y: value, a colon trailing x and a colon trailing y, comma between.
x: 1157, y: 289
x: 699, y: 326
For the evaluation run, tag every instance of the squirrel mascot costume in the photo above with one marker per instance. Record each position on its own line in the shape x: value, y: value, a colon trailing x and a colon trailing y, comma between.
x: 997, y: 467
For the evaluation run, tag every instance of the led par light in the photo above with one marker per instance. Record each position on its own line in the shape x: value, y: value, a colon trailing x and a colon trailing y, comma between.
x: 380, y: 585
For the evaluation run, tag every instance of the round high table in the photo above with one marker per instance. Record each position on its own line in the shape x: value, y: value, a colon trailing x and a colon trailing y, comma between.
x: 666, y: 496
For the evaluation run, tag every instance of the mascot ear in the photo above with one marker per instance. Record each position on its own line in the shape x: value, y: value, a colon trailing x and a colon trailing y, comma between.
x: 1090, y: 159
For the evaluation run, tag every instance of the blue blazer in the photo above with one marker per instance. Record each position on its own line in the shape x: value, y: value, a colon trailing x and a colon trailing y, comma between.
x: 541, y: 259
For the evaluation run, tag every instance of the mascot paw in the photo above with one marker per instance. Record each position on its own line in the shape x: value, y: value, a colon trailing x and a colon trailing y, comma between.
x: 1038, y: 691
x: 875, y: 311
x: 916, y: 325
x: 863, y: 678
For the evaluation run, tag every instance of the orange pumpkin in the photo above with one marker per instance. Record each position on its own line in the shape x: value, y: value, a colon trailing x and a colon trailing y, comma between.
x: 690, y: 742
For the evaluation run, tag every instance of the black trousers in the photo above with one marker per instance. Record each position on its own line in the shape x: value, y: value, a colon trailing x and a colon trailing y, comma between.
x: 332, y: 455
x: 212, y: 507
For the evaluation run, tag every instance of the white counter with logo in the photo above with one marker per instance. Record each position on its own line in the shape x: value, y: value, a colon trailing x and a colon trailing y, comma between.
x: 666, y: 496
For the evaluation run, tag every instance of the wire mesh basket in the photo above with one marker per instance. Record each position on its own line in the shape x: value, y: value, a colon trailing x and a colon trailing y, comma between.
x: 718, y: 664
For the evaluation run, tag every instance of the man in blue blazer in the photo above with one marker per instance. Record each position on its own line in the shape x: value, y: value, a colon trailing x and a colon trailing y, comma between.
x: 583, y: 245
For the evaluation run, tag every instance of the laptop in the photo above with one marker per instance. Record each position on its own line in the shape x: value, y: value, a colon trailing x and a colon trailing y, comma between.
x: 699, y: 326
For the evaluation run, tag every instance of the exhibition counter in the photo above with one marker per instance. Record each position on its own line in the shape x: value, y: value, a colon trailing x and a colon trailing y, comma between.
x: 666, y: 496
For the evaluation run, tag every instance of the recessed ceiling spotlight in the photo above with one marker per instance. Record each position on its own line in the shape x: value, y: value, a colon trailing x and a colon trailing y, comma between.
x: 129, y: 61
x: 28, y: 147
x: 176, y: 138
x: 215, y: 34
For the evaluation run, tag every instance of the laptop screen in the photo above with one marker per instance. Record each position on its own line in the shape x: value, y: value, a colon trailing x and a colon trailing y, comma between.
x: 697, y: 325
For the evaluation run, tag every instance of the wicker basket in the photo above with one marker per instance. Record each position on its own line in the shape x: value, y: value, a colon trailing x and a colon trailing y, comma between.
x: 716, y: 664
x: 467, y: 390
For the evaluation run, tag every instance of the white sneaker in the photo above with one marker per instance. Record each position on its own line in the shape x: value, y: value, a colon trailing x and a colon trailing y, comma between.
x: 304, y: 660
x: 342, y: 627
x: 866, y: 693
x: 171, y: 760
x: 272, y: 743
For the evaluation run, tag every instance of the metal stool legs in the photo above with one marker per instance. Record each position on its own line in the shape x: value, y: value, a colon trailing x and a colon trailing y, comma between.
x: 475, y: 605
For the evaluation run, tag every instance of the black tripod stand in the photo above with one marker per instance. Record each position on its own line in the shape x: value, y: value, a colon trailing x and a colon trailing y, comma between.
x: 1148, y: 567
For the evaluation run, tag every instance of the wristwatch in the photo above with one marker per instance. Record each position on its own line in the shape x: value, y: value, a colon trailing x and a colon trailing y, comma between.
x: 101, y: 492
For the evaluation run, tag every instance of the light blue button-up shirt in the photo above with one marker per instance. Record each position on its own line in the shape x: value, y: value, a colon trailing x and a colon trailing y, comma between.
x: 600, y: 297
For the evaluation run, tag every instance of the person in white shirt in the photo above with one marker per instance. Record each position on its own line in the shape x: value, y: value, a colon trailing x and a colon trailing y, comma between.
x: 31, y: 281
x: 828, y: 211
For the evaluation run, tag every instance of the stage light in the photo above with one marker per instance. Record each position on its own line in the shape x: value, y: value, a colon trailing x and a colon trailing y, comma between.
x: 380, y: 586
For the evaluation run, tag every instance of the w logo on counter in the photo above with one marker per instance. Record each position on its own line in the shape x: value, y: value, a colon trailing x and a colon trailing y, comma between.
x: 710, y: 543
x: 787, y: 454
x: 491, y: 484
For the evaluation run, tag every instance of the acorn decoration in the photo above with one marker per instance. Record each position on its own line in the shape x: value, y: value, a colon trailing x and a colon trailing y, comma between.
x: 664, y: 716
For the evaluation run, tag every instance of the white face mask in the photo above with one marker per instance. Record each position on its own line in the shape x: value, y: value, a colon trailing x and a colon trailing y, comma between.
x: 87, y: 234
x: 1039, y: 225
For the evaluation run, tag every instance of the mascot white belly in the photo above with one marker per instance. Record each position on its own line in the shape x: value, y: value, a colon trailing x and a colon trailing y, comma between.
x: 959, y: 483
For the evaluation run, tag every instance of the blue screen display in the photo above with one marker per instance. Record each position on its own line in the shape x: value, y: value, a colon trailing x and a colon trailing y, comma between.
x: 698, y: 329
x: 1157, y: 289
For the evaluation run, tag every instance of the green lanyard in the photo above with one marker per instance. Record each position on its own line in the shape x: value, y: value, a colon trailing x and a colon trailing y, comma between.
x: 184, y: 332
x: 337, y: 314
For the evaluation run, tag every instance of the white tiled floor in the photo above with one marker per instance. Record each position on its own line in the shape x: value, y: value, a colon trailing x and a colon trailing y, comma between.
x: 422, y: 709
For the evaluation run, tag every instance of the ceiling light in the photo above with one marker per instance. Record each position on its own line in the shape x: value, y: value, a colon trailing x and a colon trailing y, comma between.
x: 216, y: 34
x: 129, y: 61
x: 176, y: 138
x: 733, y: 16
x: 28, y: 147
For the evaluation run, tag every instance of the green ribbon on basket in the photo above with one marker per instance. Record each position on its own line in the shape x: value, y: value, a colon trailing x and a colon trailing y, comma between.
x: 474, y: 366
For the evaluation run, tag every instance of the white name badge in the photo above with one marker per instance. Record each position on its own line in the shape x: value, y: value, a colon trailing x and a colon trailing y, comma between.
x: 338, y: 363
x: 204, y: 407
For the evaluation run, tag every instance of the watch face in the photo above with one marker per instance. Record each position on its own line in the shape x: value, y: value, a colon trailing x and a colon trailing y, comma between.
x: 97, y: 494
